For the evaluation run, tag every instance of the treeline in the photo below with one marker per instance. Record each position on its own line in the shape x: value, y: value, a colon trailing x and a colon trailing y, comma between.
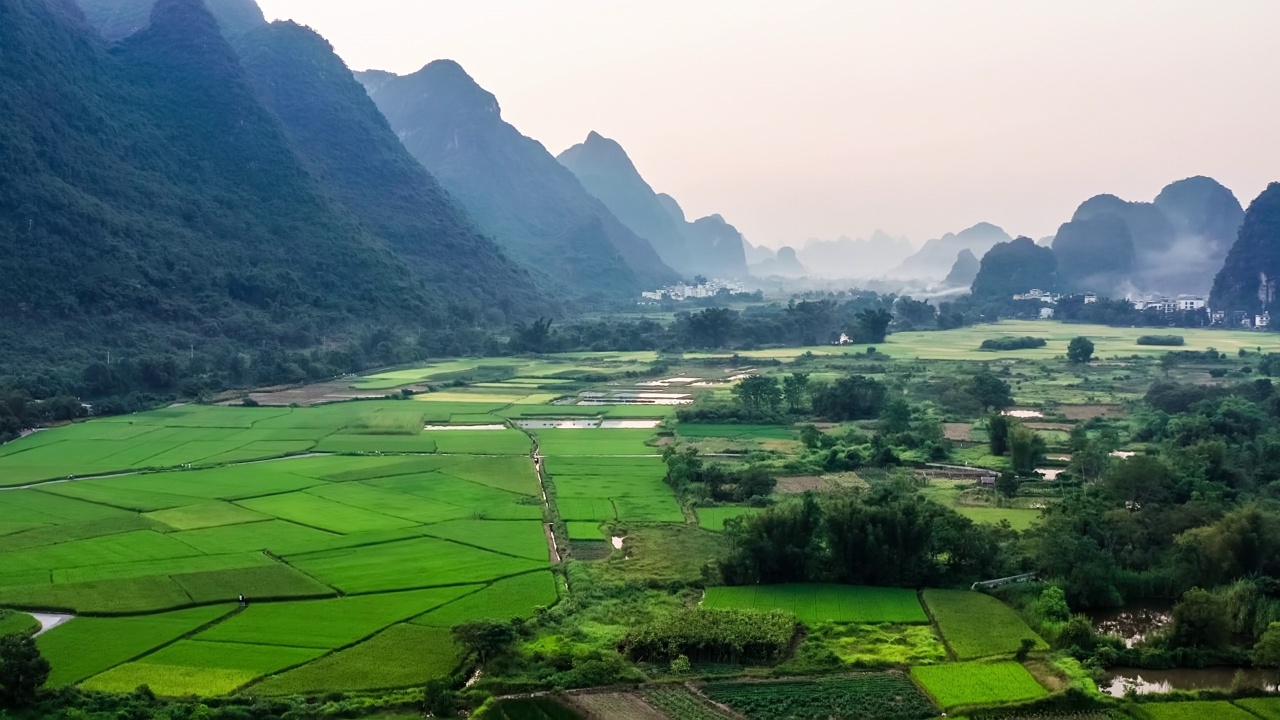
x: 888, y: 536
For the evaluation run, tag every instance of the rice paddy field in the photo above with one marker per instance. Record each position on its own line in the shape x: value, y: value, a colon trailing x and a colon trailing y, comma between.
x: 357, y: 534
x: 975, y: 625
x: 823, y: 603
x: 954, y: 685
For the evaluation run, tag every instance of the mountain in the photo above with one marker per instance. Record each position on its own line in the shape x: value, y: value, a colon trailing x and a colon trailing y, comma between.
x: 1096, y: 254
x: 1015, y: 267
x: 607, y: 172
x: 1248, y: 279
x: 152, y: 207
x: 347, y: 145
x: 1174, y: 242
x: 757, y: 254
x: 965, y: 271
x: 784, y: 263
x: 118, y: 19
x: 934, y: 259
x: 1202, y: 208
x: 516, y: 191
x: 845, y: 257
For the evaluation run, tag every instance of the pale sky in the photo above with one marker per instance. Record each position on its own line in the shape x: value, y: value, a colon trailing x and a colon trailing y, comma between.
x: 803, y: 118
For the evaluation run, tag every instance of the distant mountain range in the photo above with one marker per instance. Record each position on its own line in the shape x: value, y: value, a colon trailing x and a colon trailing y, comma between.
x: 934, y: 260
x: 708, y: 246
x: 517, y: 192
x: 845, y: 257
x: 1171, y: 245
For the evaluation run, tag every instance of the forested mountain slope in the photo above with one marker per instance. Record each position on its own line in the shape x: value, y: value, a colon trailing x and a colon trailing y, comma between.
x: 350, y: 149
x: 151, y: 208
x: 516, y: 191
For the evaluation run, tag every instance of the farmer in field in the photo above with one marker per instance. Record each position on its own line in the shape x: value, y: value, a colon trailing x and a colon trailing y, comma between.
x: 243, y: 602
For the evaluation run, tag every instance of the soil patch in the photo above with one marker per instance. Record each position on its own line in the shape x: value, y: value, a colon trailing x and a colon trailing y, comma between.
x: 798, y: 485
x: 958, y: 432
x: 1064, y: 427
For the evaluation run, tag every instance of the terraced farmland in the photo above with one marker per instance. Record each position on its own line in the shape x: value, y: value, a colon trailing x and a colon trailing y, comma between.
x: 335, y: 553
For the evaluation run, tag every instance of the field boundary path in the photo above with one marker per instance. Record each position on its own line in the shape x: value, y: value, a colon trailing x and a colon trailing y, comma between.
x: 549, y: 528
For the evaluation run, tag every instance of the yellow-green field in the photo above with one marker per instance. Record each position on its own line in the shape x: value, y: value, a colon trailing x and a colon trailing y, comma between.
x: 962, y: 344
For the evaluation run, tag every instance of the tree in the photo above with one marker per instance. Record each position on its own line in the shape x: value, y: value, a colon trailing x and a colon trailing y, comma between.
x: 1080, y: 350
x: 23, y: 671
x: 998, y: 433
x: 1201, y: 619
x: 871, y: 326
x: 1026, y: 449
x: 532, y: 338
x: 856, y: 397
x: 1007, y: 484
x: 485, y: 638
x: 1168, y: 362
x: 439, y: 698
x: 759, y: 395
x: 990, y: 391
x: 895, y: 418
x: 795, y: 388
x: 1266, y: 653
x: 711, y: 327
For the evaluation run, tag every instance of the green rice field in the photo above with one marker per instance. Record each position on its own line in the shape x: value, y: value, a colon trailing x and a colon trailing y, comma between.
x: 335, y: 552
x: 962, y: 684
x: 1216, y: 709
x: 975, y: 625
x: 1268, y: 708
x: 713, y: 518
x: 823, y: 603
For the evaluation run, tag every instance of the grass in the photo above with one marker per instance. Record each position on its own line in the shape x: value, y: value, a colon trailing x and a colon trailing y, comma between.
x: 16, y: 623
x: 767, y: 432
x: 823, y: 603
x: 519, y: 596
x: 1197, y: 709
x: 328, y: 623
x: 401, y: 656
x: 881, y: 645
x: 956, y: 685
x: 1018, y: 518
x: 595, y: 441
x: 1268, y: 708
x: 713, y: 518
x: 87, y: 646
x: 420, y: 562
x: 975, y: 625
x: 169, y: 680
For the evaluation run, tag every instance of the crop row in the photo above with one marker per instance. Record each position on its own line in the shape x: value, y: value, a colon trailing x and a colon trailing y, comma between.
x: 888, y: 696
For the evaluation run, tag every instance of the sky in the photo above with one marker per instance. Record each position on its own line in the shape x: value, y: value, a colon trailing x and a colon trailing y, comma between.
x: 815, y: 118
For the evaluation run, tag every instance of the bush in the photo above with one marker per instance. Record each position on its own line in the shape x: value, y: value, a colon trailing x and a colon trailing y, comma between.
x: 1025, y: 342
x: 1162, y: 340
x: 735, y: 636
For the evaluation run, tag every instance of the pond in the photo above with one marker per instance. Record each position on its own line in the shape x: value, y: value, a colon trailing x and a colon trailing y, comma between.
x: 1133, y: 623
x: 1119, y: 681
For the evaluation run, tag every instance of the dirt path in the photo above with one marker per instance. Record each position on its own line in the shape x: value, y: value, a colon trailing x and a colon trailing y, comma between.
x: 49, y: 621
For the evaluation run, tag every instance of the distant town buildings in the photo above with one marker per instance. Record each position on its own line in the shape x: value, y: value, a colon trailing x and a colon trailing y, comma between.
x: 1166, y: 304
x: 682, y: 291
x: 1042, y: 296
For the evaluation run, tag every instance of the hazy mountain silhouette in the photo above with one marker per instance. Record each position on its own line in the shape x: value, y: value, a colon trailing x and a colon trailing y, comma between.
x: 784, y: 263
x: 1170, y: 246
x: 965, y: 270
x: 935, y: 258
x: 845, y: 257
x: 1250, y: 277
x: 607, y: 172
x: 515, y: 190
